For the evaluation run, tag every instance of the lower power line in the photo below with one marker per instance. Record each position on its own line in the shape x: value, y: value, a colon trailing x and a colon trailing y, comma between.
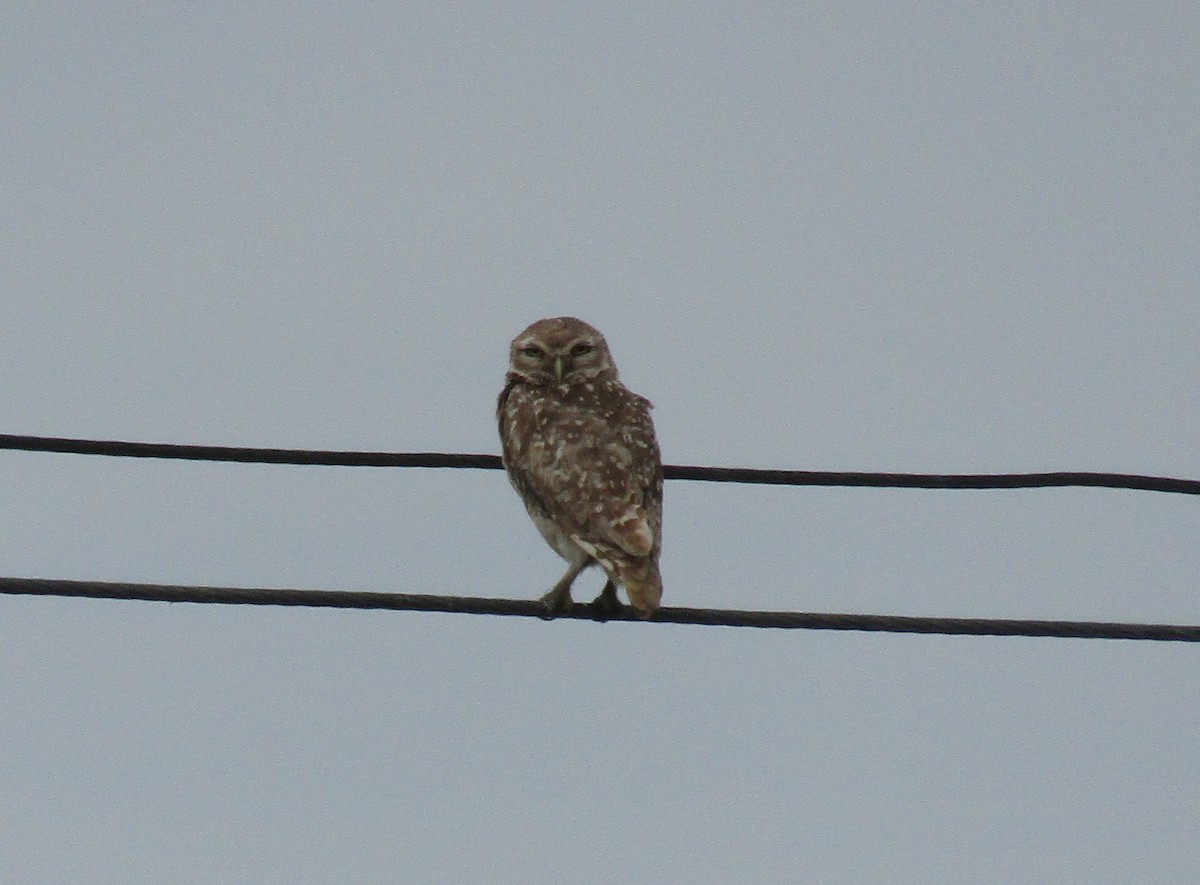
x: 533, y: 609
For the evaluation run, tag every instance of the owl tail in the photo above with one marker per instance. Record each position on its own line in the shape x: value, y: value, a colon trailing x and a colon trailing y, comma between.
x: 643, y: 583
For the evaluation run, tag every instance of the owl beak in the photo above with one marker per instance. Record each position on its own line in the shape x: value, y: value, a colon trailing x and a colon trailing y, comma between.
x: 558, y: 368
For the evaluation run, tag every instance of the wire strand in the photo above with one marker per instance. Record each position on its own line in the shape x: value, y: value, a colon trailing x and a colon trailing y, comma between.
x: 533, y: 609
x: 247, y: 455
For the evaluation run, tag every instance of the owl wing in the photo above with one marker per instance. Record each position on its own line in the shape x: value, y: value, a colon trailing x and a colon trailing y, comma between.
x: 629, y: 492
x: 606, y: 481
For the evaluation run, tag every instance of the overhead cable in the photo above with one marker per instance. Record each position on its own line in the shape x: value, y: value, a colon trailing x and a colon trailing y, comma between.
x: 248, y: 455
x: 345, y: 599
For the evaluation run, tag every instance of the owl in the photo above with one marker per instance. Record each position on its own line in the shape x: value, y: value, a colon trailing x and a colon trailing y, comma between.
x: 580, y: 450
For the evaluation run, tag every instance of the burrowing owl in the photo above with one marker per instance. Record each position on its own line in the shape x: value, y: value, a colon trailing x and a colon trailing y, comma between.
x: 580, y: 449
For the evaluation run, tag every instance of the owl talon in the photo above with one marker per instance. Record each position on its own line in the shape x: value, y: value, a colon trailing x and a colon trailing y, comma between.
x: 556, y: 602
x: 606, y: 605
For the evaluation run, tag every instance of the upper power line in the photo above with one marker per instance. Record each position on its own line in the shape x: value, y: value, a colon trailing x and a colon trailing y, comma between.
x: 247, y: 455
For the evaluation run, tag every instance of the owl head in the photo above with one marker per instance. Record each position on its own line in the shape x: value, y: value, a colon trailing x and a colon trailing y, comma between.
x: 560, y: 350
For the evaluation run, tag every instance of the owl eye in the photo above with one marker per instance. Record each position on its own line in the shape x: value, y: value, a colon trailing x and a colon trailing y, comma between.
x: 581, y: 349
x: 532, y: 351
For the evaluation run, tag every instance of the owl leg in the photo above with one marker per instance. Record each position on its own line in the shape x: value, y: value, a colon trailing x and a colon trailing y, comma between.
x: 606, y: 604
x: 558, y: 600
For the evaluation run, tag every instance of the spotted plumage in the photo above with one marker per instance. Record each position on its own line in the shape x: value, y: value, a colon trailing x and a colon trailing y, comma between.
x: 580, y: 449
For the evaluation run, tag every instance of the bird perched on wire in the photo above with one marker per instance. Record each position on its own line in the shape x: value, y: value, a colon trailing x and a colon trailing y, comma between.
x: 579, y: 447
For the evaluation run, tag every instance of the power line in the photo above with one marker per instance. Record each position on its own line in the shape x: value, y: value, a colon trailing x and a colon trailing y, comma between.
x: 247, y: 455
x: 533, y: 609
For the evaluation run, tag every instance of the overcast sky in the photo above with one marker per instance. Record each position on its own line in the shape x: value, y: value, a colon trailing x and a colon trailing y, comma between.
x: 951, y: 238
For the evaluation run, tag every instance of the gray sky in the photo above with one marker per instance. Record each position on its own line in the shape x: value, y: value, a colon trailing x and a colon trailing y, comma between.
x: 955, y: 238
